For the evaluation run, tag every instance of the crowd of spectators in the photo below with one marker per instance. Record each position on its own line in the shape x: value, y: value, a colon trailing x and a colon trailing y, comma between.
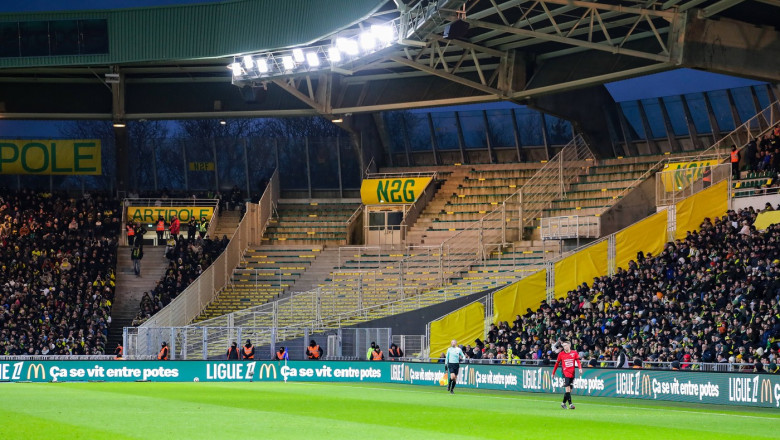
x: 187, y: 259
x: 764, y: 154
x: 711, y: 297
x: 57, y: 272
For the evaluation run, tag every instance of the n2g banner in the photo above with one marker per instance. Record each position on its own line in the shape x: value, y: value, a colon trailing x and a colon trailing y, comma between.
x: 50, y: 157
x: 392, y: 191
x: 678, y: 175
x: 736, y: 389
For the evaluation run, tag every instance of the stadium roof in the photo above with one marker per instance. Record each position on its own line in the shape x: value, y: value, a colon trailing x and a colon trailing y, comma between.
x: 172, y: 60
x: 186, y: 32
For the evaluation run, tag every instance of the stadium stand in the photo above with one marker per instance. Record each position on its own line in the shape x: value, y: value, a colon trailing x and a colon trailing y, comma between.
x: 310, y: 223
x: 762, y: 165
x: 711, y: 297
x: 57, y: 277
x: 187, y: 259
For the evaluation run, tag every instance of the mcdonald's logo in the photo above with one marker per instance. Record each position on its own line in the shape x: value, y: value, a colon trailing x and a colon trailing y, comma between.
x: 546, y: 380
x: 266, y: 369
x: 766, y: 391
x: 647, y: 386
x: 472, y: 377
x: 406, y: 374
x: 35, y: 369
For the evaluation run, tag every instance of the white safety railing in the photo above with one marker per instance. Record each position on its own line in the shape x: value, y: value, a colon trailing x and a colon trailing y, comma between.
x: 754, y: 127
x: 551, y: 182
x: 674, y: 185
x: 191, y: 302
x: 572, y: 226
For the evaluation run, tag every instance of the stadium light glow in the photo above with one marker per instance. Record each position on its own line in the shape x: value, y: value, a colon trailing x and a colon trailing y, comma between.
x: 343, y: 51
x: 349, y: 47
x: 367, y: 41
x: 262, y: 65
x: 287, y: 62
x: 312, y: 59
x: 248, y: 62
x: 298, y: 55
x: 334, y: 54
x: 384, y: 33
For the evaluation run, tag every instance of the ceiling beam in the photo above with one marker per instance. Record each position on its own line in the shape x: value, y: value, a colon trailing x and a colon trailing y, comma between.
x: 571, y: 41
x: 719, y: 7
x: 448, y: 76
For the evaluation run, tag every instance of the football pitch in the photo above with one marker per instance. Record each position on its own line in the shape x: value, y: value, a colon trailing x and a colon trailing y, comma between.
x: 350, y: 411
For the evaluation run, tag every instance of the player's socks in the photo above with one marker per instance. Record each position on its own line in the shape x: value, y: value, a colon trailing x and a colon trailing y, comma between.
x: 453, y: 386
x: 567, y: 398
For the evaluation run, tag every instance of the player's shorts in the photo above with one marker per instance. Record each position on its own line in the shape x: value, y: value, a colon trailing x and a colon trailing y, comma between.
x: 453, y: 368
x: 568, y: 381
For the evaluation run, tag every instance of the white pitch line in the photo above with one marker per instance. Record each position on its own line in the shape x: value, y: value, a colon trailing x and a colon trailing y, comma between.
x: 685, y: 411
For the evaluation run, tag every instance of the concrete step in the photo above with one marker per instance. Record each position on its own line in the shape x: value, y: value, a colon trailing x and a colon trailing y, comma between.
x: 130, y: 288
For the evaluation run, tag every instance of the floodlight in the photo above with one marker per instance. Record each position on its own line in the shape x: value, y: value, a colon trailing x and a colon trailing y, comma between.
x: 312, y: 59
x: 334, y: 54
x: 298, y: 55
x: 288, y: 63
x: 383, y: 33
x: 248, y: 62
x: 262, y: 65
x: 367, y: 41
x: 236, y: 68
x: 347, y: 46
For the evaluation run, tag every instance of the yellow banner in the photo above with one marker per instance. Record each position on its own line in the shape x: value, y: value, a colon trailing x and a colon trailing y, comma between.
x: 711, y: 203
x: 649, y: 235
x: 50, y: 157
x: 767, y: 219
x: 201, y: 166
x: 692, y: 171
x: 514, y: 299
x: 581, y: 267
x: 150, y: 214
x: 393, y: 191
x: 464, y: 325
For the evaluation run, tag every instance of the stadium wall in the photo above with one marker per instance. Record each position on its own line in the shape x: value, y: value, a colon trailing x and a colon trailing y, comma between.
x: 636, y: 205
x: 414, y: 322
x: 735, y: 389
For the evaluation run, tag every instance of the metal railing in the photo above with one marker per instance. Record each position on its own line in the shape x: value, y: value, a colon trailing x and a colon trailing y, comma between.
x: 551, y: 182
x: 191, y: 302
x: 754, y: 127
x: 572, y: 226
x: 674, y: 185
x: 193, y: 343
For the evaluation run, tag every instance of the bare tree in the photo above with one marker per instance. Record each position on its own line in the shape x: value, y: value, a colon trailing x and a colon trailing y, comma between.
x: 92, y: 129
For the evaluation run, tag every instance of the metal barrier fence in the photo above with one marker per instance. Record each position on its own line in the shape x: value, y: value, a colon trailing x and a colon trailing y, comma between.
x: 413, y: 346
x: 742, y: 135
x: 572, y: 226
x: 674, y: 185
x: 196, y: 343
x: 191, y: 302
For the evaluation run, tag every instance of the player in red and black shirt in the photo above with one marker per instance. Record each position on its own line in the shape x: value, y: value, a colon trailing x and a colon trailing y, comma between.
x: 567, y: 359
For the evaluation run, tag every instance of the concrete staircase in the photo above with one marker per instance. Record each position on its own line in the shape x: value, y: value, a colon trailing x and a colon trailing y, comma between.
x: 130, y: 288
x: 227, y: 222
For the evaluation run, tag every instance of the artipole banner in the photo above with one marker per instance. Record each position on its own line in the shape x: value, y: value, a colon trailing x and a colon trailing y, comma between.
x: 736, y: 389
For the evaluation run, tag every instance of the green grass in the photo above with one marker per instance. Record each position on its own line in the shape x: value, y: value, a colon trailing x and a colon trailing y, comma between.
x: 350, y: 411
